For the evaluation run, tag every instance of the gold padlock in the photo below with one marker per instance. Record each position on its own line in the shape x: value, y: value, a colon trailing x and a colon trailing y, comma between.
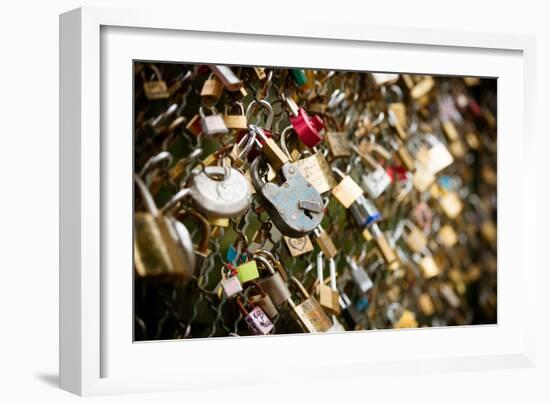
x: 338, y: 144
x: 154, y: 89
x: 163, y: 248
x: 298, y: 246
x: 211, y: 91
x: 414, y: 237
x: 447, y: 236
x: 347, y: 191
x: 451, y: 204
x: 235, y: 122
x: 317, y: 172
x: 324, y: 241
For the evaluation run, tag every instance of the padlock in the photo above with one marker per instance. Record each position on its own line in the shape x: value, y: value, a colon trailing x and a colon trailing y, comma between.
x: 274, y: 284
x: 263, y: 300
x: 299, y: 76
x: 256, y: 320
x: 298, y: 246
x: 163, y: 248
x: 212, y: 124
x: 428, y: 265
x: 317, y: 171
x: 248, y: 271
x: 295, y: 207
x: 451, y: 204
x: 447, y: 236
x: 307, y: 128
x: 324, y: 241
x: 211, y: 91
x: 274, y: 154
x: 230, y: 81
x: 351, y: 315
x: 338, y: 144
x: 434, y: 155
x: 230, y: 285
x: 155, y: 89
x: 422, y: 88
x: 347, y: 191
x: 387, y: 252
x: 423, y: 178
x: 310, y: 314
x: 219, y: 191
x: 194, y: 125
x: 201, y: 249
x: 260, y: 73
x: 426, y: 305
x: 376, y: 182
x: 403, y: 154
x: 397, y: 114
x: 381, y: 79
x: 364, y: 212
x: 399, y: 317
x: 360, y: 276
x: 414, y: 237
x: 328, y: 295
x: 235, y: 122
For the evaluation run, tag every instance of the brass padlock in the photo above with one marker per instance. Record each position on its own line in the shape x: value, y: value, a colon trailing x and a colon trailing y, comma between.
x: 451, y: 204
x: 429, y: 266
x: 422, y: 88
x: 317, y: 172
x: 426, y: 305
x: 400, y: 317
x: 338, y: 144
x: 298, y: 246
x: 276, y: 157
x: 211, y: 91
x: 324, y: 241
x: 414, y: 237
x: 447, y: 236
x: 347, y: 191
x: 310, y: 314
x: 154, y: 89
x: 163, y: 249
x: 235, y: 122
x: 328, y: 295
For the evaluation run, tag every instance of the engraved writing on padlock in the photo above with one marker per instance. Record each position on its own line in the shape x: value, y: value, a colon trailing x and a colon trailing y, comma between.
x: 310, y: 314
x: 284, y: 203
x: 227, y: 197
x: 212, y: 124
x: 257, y: 321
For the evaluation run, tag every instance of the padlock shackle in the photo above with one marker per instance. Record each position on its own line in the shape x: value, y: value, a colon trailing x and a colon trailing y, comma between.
x: 146, y: 196
x: 202, y: 247
x: 282, y: 141
x: 259, y: 287
x: 264, y: 263
x: 252, y: 106
x: 175, y: 200
x: 300, y: 287
x: 274, y: 262
x: 255, y: 171
x: 163, y: 156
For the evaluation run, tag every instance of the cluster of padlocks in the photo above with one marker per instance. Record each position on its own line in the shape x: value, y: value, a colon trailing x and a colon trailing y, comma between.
x: 275, y: 200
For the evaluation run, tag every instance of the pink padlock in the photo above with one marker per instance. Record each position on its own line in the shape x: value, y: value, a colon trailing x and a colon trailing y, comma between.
x: 307, y: 128
x: 257, y: 321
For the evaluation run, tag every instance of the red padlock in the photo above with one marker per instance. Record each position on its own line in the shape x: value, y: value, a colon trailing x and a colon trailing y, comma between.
x: 307, y: 128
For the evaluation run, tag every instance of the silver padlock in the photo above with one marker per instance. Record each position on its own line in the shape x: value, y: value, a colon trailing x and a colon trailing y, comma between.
x: 360, y: 276
x: 212, y: 124
x: 274, y: 284
x: 221, y: 192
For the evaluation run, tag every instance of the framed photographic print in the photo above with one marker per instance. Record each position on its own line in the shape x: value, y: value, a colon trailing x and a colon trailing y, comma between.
x: 227, y: 189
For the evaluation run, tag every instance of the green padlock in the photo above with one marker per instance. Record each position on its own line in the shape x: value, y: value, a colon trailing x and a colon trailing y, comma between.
x: 299, y: 76
x: 248, y: 271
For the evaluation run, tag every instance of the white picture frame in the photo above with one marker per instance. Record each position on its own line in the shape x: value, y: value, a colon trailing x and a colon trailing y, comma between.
x: 96, y: 48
